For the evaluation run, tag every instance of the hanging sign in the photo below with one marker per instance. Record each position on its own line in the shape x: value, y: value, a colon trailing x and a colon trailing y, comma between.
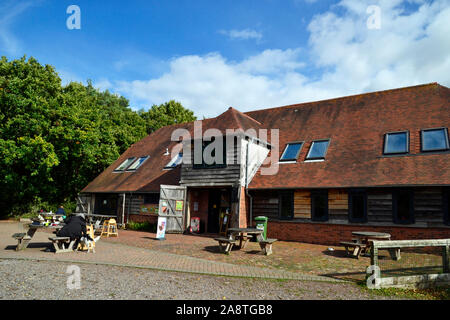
x: 161, y: 230
x: 179, y: 205
x: 163, y: 206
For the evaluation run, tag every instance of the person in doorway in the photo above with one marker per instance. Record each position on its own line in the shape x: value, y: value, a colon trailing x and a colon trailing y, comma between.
x: 61, y: 211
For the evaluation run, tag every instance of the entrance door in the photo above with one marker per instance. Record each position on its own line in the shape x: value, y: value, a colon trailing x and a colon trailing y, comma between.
x: 172, y: 203
x: 219, y: 202
x: 106, y: 204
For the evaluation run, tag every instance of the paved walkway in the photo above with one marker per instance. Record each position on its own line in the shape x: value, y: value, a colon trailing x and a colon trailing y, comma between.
x: 116, y: 254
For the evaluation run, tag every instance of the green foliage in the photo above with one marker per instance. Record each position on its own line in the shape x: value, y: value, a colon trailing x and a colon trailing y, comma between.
x: 141, y: 226
x: 55, y: 139
x: 166, y: 114
x: 420, y: 294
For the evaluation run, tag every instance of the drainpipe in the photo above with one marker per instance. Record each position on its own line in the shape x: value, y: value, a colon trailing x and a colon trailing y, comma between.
x: 123, y: 210
x: 246, y: 185
x: 129, y: 205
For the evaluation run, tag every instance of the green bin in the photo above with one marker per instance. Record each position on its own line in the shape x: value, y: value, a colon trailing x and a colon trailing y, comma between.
x: 261, y: 224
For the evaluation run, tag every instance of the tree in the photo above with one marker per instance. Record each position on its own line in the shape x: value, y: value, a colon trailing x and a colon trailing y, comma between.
x: 165, y: 114
x: 55, y: 139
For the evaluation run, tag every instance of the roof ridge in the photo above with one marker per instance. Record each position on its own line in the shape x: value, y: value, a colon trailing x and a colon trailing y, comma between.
x: 236, y: 111
x: 346, y: 97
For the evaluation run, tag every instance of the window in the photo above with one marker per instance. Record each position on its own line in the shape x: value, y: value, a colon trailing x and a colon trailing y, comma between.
x: 125, y: 164
x: 435, y: 139
x: 286, y: 208
x: 403, y: 207
x: 396, y: 143
x: 137, y: 163
x: 319, y: 205
x: 291, y: 151
x: 175, y: 161
x: 357, y: 206
x: 151, y: 198
x: 318, y: 150
x: 211, y: 153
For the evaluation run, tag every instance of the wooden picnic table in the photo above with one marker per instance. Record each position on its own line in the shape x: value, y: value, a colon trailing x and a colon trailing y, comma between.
x: 361, y: 242
x: 24, y: 239
x: 244, y: 234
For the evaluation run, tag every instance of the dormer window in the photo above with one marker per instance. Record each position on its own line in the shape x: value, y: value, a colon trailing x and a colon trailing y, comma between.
x: 396, y: 142
x: 137, y: 163
x: 175, y: 161
x: 318, y: 150
x: 291, y: 151
x: 125, y: 164
x: 435, y: 139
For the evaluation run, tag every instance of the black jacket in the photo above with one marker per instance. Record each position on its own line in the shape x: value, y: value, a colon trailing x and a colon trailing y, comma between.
x: 75, y: 228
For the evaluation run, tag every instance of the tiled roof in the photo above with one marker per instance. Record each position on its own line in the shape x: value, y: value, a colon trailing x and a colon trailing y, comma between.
x: 151, y: 174
x: 355, y: 124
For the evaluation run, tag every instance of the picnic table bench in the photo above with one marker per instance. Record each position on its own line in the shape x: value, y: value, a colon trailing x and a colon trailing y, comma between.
x: 225, y: 244
x: 22, y: 240
x: 266, y: 245
x: 362, y: 243
x: 59, y: 243
x: 353, y: 248
x: 243, y: 235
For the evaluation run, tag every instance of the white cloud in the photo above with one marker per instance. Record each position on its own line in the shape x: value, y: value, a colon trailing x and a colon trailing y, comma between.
x: 242, y: 34
x: 8, y: 41
x: 208, y: 84
x: 411, y: 47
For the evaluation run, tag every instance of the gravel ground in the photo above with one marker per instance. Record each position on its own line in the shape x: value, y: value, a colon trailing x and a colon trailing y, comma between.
x: 48, y: 281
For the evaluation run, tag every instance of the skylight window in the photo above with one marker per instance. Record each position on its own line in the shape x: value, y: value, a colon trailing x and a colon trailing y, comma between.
x: 435, y: 139
x: 318, y: 150
x: 137, y: 163
x: 291, y: 151
x: 125, y: 164
x: 175, y: 161
x: 396, y: 142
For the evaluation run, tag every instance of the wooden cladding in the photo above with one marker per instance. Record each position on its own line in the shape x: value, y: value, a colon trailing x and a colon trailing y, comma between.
x: 376, y: 205
x: 337, y: 204
x: 302, y: 204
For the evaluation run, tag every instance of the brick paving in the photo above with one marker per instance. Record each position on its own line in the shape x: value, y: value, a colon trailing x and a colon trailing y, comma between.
x: 111, y: 252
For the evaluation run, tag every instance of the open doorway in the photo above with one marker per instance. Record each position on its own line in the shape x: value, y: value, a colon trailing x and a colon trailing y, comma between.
x: 219, y: 202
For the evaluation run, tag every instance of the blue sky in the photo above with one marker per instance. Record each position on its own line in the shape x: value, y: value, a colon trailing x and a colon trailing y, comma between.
x: 247, y: 54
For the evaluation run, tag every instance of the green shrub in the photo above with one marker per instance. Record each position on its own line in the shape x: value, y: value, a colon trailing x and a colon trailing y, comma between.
x: 141, y: 226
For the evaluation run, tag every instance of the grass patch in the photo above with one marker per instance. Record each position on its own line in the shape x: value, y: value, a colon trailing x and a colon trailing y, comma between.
x: 419, y: 294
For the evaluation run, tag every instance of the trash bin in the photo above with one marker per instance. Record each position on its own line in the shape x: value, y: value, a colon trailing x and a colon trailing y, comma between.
x: 261, y: 224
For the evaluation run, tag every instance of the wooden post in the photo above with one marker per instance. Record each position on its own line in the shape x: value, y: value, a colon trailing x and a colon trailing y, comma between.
x: 446, y: 259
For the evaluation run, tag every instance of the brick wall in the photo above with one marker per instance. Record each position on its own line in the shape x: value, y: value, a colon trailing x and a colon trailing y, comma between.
x: 332, y: 234
x: 244, y: 210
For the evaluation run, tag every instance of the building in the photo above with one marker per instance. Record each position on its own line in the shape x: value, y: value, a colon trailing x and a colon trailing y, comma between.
x: 376, y: 161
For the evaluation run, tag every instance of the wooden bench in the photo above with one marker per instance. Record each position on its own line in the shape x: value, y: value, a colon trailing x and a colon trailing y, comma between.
x: 59, y: 243
x: 266, y: 245
x: 225, y: 244
x: 22, y: 240
x: 353, y: 248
